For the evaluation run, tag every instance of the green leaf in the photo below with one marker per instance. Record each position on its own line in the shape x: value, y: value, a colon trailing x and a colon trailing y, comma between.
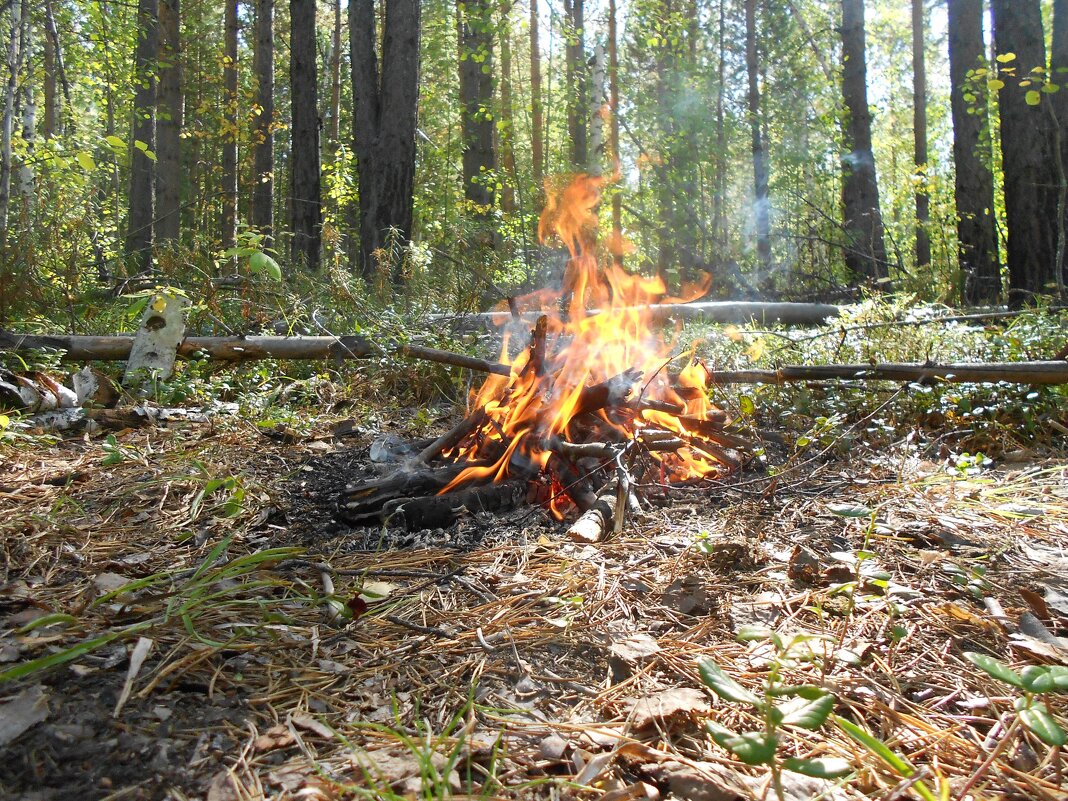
x: 810, y: 715
x: 724, y: 686
x: 85, y: 161
x: 69, y: 654
x: 1037, y: 679
x: 115, y: 142
x: 1005, y: 58
x: 994, y: 668
x: 823, y: 768
x: 994, y: 84
x: 848, y: 510
x: 1033, y: 97
x: 1043, y: 725
x: 1060, y: 677
x: 260, y: 262
x: 752, y: 747
x: 746, y: 406
x: 809, y: 692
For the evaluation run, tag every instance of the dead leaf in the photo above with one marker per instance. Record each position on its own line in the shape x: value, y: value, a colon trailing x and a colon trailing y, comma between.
x: 109, y: 582
x: 553, y: 747
x: 22, y: 713
x: 689, y: 596
x: 698, y: 781
x: 635, y: 647
x: 275, y: 737
x: 669, y: 707
x: 804, y: 566
x: 137, y: 658
x: 222, y: 787
x: 308, y: 723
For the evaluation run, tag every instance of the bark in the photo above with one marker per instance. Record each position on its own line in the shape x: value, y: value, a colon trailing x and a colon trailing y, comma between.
x: 263, y: 136
x: 169, y: 120
x: 1026, y: 139
x: 51, y: 98
x: 228, y: 216
x: 537, y: 149
x: 384, y: 120
x: 865, y: 254
x: 474, y: 22
x: 974, y: 181
x: 613, y: 131
x: 1059, y: 101
x: 7, y: 127
x: 575, y: 63
x: 142, y: 197
x: 719, y: 217
x: 595, y: 144
x: 334, y: 129
x: 305, y: 199
x: 29, y: 108
x: 507, y: 127
x: 761, y: 204
x: 1049, y: 373
x: 919, y: 135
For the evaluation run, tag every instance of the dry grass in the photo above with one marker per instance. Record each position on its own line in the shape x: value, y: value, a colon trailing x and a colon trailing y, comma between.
x: 498, y: 671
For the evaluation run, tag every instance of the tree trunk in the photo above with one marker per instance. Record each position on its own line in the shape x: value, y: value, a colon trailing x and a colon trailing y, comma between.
x: 333, y: 134
x: 7, y: 127
x: 509, y: 180
x: 29, y: 109
x: 761, y: 203
x: 474, y: 23
x: 305, y: 209
x: 613, y: 131
x: 865, y: 249
x: 384, y: 120
x: 1026, y: 138
x: 974, y: 183
x: 537, y: 151
x: 228, y: 216
x: 919, y: 135
x: 142, y: 205
x: 1059, y: 100
x: 263, y: 186
x: 51, y: 98
x: 719, y: 217
x: 169, y: 121
x: 575, y: 62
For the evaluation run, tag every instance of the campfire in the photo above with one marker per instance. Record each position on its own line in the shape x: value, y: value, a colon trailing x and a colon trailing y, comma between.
x: 595, y: 417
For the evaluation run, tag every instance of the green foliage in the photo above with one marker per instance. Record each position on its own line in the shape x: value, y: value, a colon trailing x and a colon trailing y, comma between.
x: 1033, y: 681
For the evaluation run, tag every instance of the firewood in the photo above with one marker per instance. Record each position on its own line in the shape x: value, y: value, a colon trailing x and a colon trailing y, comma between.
x: 594, y: 522
x: 439, y: 511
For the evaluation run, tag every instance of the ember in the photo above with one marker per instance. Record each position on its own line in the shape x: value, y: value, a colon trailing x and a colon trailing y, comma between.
x: 590, y: 412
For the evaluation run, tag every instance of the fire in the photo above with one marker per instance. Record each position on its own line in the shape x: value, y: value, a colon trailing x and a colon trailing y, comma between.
x: 595, y: 371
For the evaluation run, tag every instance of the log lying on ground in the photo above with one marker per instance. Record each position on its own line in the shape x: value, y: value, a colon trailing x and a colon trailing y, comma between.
x: 728, y: 311
x: 1048, y: 372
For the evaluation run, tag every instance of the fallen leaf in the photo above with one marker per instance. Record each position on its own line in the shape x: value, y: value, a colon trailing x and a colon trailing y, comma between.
x: 275, y: 737
x: 222, y: 787
x: 137, y: 659
x: 22, y: 713
x: 634, y: 647
x: 677, y: 705
x: 308, y: 723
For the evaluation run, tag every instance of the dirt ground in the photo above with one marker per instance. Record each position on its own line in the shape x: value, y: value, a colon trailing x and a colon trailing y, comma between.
x: 233, y: 640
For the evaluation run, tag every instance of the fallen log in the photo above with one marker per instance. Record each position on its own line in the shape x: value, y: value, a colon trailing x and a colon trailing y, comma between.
x: 1037, y: 372
x: 729, y: 311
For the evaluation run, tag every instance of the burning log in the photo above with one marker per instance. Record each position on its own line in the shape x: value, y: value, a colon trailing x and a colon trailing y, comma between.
x: 440, y: 511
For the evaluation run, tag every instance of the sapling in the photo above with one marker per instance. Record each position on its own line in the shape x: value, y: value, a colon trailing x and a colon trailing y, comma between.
x: 779, y: 704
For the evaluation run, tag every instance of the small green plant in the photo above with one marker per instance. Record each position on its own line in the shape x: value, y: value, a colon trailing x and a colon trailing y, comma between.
x: 115, y: 453
x: 1033, y: 682
x: 780, y: 705
x: 897, y: 763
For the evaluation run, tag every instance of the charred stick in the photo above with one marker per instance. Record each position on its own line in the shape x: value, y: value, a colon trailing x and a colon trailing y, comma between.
x: 665, y: 445
x: 450, y: 439
x: 592, y: 524
x: 612, y: 392
x: 454, y: 359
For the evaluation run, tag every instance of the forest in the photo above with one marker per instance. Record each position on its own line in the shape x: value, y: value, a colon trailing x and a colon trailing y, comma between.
x: 624, y: 399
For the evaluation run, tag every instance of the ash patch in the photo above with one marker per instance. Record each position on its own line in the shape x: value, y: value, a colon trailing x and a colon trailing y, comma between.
x: 311, y: 509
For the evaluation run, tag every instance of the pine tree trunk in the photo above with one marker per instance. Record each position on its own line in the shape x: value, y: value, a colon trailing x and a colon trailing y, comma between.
x: 865, y: 248
x: 142, y: 205
x: 919, y: 135
x: 384, y: 121
x: 613, y: 131
x: 507, y: 127
x: 537, y: 150
x: 169, y: 123
x: 475, y: 31
x: 228, y: 216
x: 575, y: 62
x: 761, y: 210
x: 1026, y: 139
x: 333, y: 132
x: 1059, y: 100
x: 29, y: 110
x: 719, y: 217
x: 305, y: 209
x: 263, y: 136
x: 50, y: 96
x: 974, y: 182
x: 7, y: 127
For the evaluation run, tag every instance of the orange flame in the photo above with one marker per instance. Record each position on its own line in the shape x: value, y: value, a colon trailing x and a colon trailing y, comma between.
x: 578, y: 356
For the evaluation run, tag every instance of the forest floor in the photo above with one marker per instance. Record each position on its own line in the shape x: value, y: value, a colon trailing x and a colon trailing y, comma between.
x: 182, y: 617
x: 221, y: 637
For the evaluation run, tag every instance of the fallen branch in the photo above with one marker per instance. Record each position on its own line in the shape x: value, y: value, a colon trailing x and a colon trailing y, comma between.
x: 1045, y: 372
x: 710, y: 311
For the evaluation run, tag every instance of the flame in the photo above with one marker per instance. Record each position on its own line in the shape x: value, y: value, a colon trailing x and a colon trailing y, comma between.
x: 605, y: 372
